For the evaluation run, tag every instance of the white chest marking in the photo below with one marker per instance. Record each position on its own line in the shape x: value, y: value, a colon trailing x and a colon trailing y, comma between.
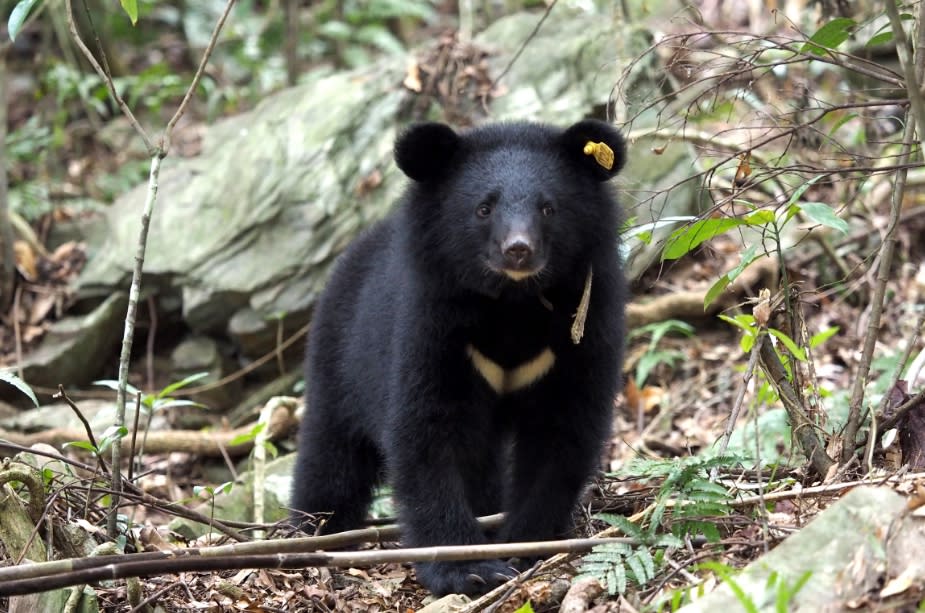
x: 507, y: 381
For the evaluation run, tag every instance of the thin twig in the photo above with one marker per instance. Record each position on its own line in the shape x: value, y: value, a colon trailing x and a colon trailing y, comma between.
x: 107, y: 78
x: 149, y: 344
x: 887, y: 248
x: 131, y: 452
x: 906, y: 59
x: 128, y: 333
x: 910, y: 65
x: 165, y: 141
x: 63, y: 396
x: 133, y: 493
x: 902, y: 409
x: 740, y: 397
x: 192, y: 391
x: 7, y: 254
x: 17, y: 332
x: 523, y: 46
x: 831, y: 489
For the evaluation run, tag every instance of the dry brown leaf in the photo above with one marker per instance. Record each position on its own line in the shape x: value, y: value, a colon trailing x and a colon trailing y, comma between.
x: 41, y: 307
x: 25, y: 260
x: 413, y: 77
x: 900, y: 584
x: 368, y: 183
x: 762, y: 310
x: 154, y: 541
x: 917, y: 499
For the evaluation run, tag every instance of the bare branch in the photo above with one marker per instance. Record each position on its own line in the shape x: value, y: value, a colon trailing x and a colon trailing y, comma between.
x: 87, y: 570
x: 107, y: 78
x: 526, y: 42
x: 165, y: 144
x: 876, y: 303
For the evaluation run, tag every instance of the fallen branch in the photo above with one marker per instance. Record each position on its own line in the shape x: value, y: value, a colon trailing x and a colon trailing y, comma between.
x: 198, y: 442
x: 689, y: 304
x: 27, y: 579
x: 817, y: 491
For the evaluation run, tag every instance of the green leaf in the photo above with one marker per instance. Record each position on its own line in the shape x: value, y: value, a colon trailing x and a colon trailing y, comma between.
x: 131, y: 8
x: 114, y: 385
x: 111, y: 435
x: 651, y: 359
x: 643, y: 555
x: 639, y: 572
x: 18, y: 16
x: 379, y: 36
x: 620, y: 521
x: 829, y: 36
x: 880, y: 39
x: 616, y: 580
x: 713, y: 293
x: 85, y: 445
x: 795, y: 351
x: 821, y: 337
x: 824, y: 215
x: 182, y: 383
x: 198, y: 490
x: 798, y: 192
x: 10, y: 377
x: 715, y: 290
x: 760, y: 218
x: 744, y: 322
x: 171, y: 403
x: 525, y: 608
x: 683, y: 240
x: 885, y: 33
x: 247, y: 436
x: 337, y: 30
x: 845, y: 118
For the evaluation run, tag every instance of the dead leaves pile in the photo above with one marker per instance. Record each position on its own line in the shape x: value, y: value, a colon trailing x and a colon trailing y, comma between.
x: 42, y: 294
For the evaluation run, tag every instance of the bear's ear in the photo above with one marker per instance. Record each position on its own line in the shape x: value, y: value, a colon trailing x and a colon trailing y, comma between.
x: 595, y: 146
x: 424, y: 150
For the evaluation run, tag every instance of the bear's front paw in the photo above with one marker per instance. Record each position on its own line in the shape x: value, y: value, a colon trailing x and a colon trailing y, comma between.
x: 470, y: 578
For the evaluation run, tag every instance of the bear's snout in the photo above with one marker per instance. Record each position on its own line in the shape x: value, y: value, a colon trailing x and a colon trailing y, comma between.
x: 517, y: 251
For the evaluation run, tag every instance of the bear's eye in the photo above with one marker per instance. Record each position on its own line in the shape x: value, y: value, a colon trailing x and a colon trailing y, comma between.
x: 548, y: 210
x: 483, y: 210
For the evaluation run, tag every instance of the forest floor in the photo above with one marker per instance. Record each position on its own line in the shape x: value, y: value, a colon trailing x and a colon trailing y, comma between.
x: 679, y: 412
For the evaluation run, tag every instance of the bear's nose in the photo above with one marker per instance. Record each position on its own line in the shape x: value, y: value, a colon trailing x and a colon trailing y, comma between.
x: 517, y: 251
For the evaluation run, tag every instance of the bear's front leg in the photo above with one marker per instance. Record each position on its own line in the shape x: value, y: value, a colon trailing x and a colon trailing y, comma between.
x: 555, y: 455
x: 443, y: 464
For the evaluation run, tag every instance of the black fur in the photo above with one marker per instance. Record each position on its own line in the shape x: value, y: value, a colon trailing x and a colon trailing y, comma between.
x: 392, y: 386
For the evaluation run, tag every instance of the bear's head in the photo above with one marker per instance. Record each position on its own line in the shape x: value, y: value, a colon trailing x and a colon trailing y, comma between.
x: 511, y: 204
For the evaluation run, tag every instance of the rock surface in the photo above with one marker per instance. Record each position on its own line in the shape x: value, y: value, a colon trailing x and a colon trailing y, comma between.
x: 859, y: 546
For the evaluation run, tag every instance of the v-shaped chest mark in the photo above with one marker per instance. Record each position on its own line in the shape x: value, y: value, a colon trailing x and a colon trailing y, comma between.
x: 506, y: 381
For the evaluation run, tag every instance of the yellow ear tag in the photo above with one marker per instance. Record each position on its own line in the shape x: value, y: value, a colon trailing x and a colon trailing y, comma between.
x: 603, y: 154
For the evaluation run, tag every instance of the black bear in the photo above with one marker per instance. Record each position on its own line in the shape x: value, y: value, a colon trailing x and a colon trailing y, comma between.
x: 468, y: 347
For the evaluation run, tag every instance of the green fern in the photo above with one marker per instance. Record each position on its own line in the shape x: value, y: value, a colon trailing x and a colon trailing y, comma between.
x: 616, y: 564
x: 686, y: 480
